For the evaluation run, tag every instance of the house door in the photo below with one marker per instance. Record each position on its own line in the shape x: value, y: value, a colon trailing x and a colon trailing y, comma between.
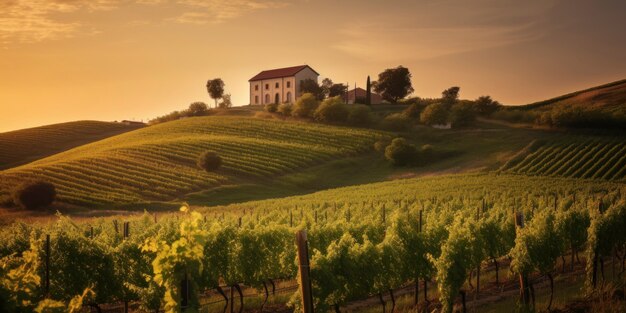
x: 277, y: 98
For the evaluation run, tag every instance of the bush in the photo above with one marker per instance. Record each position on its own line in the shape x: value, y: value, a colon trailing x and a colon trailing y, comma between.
x: 285, y: 109
x: 400, y: 152
x: 381, y: 144
x: 462, y: 114
x: 360, y: 115
x: 271, y: 107
x: 305, y: 106
x: 332, y: 110
x: 198, y: 109
x: 34, y: 195
x: 209, y: 161
x: 434, y: 114
x: 396, y: 122
x: 413, y: 111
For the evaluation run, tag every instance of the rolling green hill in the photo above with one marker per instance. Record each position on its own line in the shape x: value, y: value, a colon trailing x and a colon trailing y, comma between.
x: 26, y: 145
x: 609, y: 97
x: 157, y: 163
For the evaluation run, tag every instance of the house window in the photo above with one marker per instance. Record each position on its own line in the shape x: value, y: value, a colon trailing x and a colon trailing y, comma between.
x: 288, y: 95
x: 256, y: 99
x: 267, y: 86
x: 288, y: 84
x: 256, y: 87
x: 277, y: 85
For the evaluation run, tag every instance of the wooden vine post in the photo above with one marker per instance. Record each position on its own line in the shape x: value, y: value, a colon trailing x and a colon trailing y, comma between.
x: 47, y: 282
x: 524, y: 287
x: 304, y: 271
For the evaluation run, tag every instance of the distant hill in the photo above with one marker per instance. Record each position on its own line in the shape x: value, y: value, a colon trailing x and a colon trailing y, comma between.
x: 26, y: 145
x: 598, y: 107
x: 158, y: 163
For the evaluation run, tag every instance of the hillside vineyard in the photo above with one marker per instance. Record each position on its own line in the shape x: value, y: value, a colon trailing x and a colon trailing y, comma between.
x: 362, y: 240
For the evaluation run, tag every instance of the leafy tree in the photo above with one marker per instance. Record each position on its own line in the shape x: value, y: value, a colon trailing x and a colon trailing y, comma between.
x: 337, y: 90
x: 215, y: 88
x: 332, y: 110
x: 305, y: 106
x: 226, y: 102
x: 413, y: 111
x: 462, y: 114
x: 485, y: 106
x: 450, y: 96
x: 310, y: 86
x: 34, y: 195
x: 368, y: 91
x: 394, y: 84
x: 434, y: 114
x: 400, y: 152
x: 197, y: 109
x: 327, y: 83
x: 209, y: 161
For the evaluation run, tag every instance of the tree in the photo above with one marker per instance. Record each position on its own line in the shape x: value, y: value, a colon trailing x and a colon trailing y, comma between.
x: 209, y: 161
x: 450, y: 96
x: 368, y: 92
x: 327, y: 83
x: 215, y: 88
x: 462, y: 114
x: 332, y: 110
x: 310, y: 86
x: 394, y: 84
x: 226, y: 102
x: 305, y: 106
x: 34, y: 195
x: 434, y: 114
x: 337, y: 90
x: 360, y: 115
x: 485, y: 106
x: 198, y: 109
x: 400, y: 152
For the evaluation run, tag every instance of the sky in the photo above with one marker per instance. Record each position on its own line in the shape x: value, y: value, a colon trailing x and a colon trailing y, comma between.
x: 65, y: 60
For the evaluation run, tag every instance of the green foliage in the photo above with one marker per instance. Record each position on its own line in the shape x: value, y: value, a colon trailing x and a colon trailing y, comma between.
x: 396, y: 122
x: 305, y: 106
x: 360, y: 115
x: 434, y: 114
x: 537, y: 246
x: 198, y: 109
x: 215, y: 88
x: 462, y: 114
x: 332, y: 110
x: 413, y: 111
x: 486, y: 106
x: 209, y: 161
x: 400, y: 152
x: 394, y: 84
x: 310, y: 86
x: 34, y: 195
x: 450, y: 96
x: 271, y: 107
x: 285, y: 109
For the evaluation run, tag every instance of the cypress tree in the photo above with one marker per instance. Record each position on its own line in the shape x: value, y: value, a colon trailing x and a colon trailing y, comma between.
x: 368, y: 92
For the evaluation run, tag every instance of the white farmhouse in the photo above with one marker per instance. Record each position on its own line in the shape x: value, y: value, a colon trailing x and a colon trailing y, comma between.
x: 279, y: 85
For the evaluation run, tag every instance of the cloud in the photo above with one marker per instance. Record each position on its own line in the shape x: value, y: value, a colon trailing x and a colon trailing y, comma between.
x: 29, y: 21
x: 218, y: 11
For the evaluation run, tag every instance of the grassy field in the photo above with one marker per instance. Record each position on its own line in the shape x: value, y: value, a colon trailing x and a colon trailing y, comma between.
x: 157, y: 163
x: 594, y: 158
x: 26, y: 145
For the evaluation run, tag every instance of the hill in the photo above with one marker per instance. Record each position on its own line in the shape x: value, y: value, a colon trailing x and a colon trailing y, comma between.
x: 602, y: 107
x: 26, y: 145
x: 158, y: 163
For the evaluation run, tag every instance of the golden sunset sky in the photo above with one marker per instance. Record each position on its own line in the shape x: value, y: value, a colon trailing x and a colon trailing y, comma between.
x: 64, y: 60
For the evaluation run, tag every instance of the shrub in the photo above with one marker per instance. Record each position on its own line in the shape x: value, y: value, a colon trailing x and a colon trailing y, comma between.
x: 271, y: 107
x: 360, y: 115
x: 400, y: 152
x: 434, y: 114
x: 305, y: 106
x: 34, y: 195
x: 381, y: 144
x: 209, y: 161
x: 285, y: 109
x: 396, y: 122
x: 198, y: 109
x: 462, y: 114
x: 413, y: 111
x: 332, y: 110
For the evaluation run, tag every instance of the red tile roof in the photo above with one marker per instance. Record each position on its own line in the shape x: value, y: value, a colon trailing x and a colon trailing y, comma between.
x: 280, y: 72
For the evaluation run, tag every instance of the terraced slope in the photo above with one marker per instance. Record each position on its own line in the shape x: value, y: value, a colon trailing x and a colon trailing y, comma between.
x: 579, y: 158
x: 26, y: 145
x: 157, y: 163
